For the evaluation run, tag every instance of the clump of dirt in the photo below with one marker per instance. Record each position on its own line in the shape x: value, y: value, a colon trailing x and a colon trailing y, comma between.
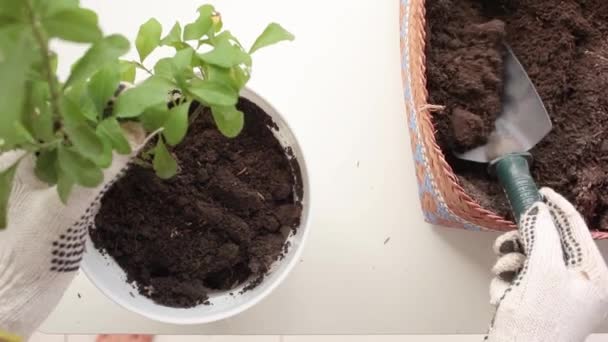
x: 562, y: 45
x: 464, y: 66
x: 223, y: 219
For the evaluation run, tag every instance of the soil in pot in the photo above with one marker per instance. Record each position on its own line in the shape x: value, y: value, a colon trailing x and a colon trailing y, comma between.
x: 562, y: 44
x: 223, y: 219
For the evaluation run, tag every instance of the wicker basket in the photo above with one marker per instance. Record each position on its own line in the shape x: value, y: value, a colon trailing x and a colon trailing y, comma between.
x: 444, y: 201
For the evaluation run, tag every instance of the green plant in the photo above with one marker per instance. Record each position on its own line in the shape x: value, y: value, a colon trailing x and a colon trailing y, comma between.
x: 70, y: 127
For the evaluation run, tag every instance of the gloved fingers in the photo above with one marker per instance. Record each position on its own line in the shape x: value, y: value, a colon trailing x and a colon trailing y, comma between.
x: 506, y: 270
x: 508, y: 243
x: 540, y: 238
x: 25, y: 179
x: 8, y: 158
x: 508, y: 266
x: 498, y: 290
x: 577, y: 242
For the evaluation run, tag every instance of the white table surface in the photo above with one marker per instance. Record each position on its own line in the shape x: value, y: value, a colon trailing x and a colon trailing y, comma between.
x: 339, y: 87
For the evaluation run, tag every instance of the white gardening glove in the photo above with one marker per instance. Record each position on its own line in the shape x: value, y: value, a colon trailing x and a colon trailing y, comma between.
x: 551, y: 280
x: 41, y: 249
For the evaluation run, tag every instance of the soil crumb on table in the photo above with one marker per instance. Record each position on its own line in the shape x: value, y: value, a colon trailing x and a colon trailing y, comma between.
x: 223, y: 219
x: 562, y: 44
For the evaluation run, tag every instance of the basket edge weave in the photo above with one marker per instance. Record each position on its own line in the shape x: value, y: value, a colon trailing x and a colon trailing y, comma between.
x: 444, y: 201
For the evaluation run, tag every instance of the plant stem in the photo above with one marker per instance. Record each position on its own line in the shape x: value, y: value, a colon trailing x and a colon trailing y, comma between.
x: 143, y: 67
x: 196, y: 113
x: 42, y: 41
x: 143, y: 163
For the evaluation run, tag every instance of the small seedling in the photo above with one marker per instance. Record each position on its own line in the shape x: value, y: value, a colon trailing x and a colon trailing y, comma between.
x: 69, y: 126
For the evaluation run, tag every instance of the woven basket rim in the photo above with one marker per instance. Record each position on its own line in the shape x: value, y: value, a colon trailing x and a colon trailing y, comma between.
x: 461, y: 205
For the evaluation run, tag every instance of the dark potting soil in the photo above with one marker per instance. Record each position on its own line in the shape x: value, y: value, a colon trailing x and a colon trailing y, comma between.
x: 562, y: 44
x: 223, y: 219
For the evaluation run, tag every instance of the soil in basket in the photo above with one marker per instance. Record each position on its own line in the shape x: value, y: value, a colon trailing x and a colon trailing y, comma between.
x: 562, y: 44
x: 222, y: 220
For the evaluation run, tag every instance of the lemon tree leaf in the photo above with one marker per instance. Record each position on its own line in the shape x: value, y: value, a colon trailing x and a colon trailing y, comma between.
x: 148, y: 38
x: 213, y: 93
x: 134, y: 101
x: 176, y: 125
x: 103, y: 84
x: 46, y: 166
x: 6, y: 186
x: 82, y: 170
x: 229, y: 120
x: 75, y: 24
x: 226, y: 55
x: 99, y: 54
x: 110, y: 129
x: 273, y: 34
x: 164, y: 164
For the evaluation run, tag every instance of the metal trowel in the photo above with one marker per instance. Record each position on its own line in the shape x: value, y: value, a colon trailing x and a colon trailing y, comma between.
x: 522, y: 123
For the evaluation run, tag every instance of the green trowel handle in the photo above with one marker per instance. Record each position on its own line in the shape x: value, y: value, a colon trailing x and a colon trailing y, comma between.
x: 513, y: 171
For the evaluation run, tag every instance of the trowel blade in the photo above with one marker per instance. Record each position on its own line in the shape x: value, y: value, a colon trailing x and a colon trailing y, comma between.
x: 523, y: 121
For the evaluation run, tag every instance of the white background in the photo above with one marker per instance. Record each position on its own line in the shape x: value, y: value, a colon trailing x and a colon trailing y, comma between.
x: 339, y: 87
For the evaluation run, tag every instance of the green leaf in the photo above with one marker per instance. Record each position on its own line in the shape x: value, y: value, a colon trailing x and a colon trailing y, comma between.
x: 82, y: 170
x: 23, y: 133
x: 43, y: 124
x: 65, y: 184
x: 76, y: 25
x: 174, y: 36
x: 85, y: 141
x: 102, y: 52
x: 198, y: 28
x: 103, y: 85
x: 72, y: 115
x: 213, y: 93
x: 163, y: 163
x: 104, y: 160
x: 241, y: 77
x: 6, y: 186
x: 16, y: 56
x: 226, y: 55
x: 135, y: 100
x: 30, y: 103
x: 183, y: 60
x: 56, y: 6
x: 81, y: 104
x: 206, y: 10
x: 176, y: 125
x: 110, y: 129
x: 155, y: 117
x: 228, y: 37
x: 148, y: 38
x: 164, y: 68
x: 128, y: 71
x: 273, y: 34
x: 10, y: 22
x: 235, y: 77
x: 229, y: 120
x: 41, y: 120
x: 176, y: 67
x: 13, y: 10
x: 46, y: 166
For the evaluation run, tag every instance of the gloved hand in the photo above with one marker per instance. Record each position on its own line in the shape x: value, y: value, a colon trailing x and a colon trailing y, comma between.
x: 41, y: 249
x: 551, y: 280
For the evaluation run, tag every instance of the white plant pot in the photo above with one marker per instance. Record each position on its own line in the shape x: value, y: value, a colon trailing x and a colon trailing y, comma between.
x: 110, y: 278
